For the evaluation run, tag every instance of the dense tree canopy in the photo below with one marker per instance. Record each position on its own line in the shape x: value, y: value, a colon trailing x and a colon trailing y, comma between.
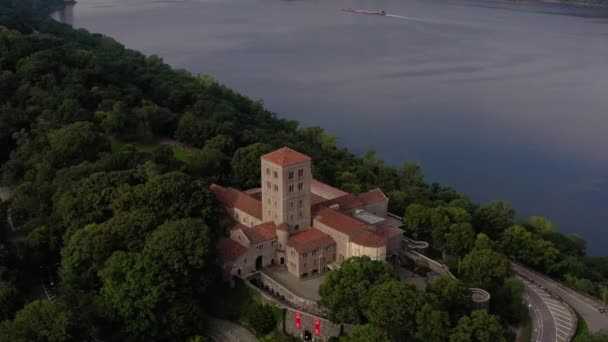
x: 479, y: 327
x: 345, y: 290
x: 367, y: 333
x: 110, y: 155
x: 485, y: 269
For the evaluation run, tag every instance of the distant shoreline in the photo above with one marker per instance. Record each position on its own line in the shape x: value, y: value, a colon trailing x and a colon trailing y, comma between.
x: 585, y: 3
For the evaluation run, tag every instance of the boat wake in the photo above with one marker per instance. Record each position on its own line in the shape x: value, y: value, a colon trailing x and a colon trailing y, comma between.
x: 409, y: 18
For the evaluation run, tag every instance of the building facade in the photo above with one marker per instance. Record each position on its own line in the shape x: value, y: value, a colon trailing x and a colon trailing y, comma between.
x: 300, y: 223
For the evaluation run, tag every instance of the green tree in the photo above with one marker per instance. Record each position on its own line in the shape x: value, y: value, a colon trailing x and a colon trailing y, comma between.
x: 40, y: 321
x: 479, y: 327
x: 366, y: 333
x: 345, y: 290
x: 393, y: 304
x: 208, y: 162
x: 172, y: 195
x: 483, y: 242
x: 246, y: 164
x: 529, y: 248
x: 451, y: 296
x: 260, y: 319
x: 417, y: 221
x: 432, y: 325
x: 493, y: 218
x: 410, y: 176
x: 485, y: 269
x: 75, y: 143
x: 508, y: 301
x: 9, y: 299
x: 442, y: 219
x: 184, y: 251
x: 133, y: 296
x: 541, y: 225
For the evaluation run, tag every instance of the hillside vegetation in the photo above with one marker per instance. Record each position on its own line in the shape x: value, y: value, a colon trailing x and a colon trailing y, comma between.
x: 128, y: 226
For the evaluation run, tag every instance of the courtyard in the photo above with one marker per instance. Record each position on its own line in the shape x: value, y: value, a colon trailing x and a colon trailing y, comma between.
x: 305, y: 288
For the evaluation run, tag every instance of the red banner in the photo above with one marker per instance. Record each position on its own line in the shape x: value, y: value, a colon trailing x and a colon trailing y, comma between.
x: 298, y: 320
x: 317, y: 326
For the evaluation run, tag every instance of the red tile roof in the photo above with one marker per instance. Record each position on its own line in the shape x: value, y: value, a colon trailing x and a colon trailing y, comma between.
x: 390, y: 232
x: 260, y: 233
x: 309, y: 240
x: 325, y: 190
x: 233, y: 198
x: 231, y: 250
x: 346, y: 202
x: 285, y: 157
x: 369, y: 239
x: 337, y: 220
x: 372, y: 196
x: 316, y: 199
x: 283, y: 226
x: 236, y: 226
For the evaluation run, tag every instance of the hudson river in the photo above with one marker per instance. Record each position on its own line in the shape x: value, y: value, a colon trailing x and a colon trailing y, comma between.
x: 500, y: 100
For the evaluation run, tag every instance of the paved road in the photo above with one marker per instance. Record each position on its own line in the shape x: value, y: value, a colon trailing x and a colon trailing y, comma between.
x: 586, y: 306
x: 552, y: 320
x: 224, y: 331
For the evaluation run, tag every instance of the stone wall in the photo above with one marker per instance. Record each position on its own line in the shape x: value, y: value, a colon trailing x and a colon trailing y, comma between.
x: 309, y: 310
x: 283, y: 295
x: 326, y: 327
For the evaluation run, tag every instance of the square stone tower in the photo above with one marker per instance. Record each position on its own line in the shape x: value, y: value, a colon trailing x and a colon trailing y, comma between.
x: 286, y: 178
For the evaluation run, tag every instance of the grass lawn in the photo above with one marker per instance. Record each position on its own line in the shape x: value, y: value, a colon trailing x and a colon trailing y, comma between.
x: 182, y: 154
x: 581, y: 329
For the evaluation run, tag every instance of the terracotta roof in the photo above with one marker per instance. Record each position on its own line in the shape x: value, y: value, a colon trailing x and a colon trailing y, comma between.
x: 260, y: 233
x: 253, y: 192
x: 390, y: 232
x: 372, y: 196
x: 316, y: 199
x: 283, y: 226
x: 310, y: 240
x: 233, y: 198
x: 231, y: 250
x: 325, y: 190
x: 286, y: 156
x: 346, y: 202
x: 236, y: 226
x: 369, y: 239
x: 337, y: 220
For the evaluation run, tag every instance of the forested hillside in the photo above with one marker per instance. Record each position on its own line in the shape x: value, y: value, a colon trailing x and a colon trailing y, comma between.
x: 126, y: 225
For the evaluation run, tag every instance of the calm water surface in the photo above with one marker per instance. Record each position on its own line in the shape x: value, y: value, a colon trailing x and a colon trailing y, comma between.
x: 500, y: 100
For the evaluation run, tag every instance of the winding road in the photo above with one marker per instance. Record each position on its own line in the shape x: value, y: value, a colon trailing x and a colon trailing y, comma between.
x: 552, y: 320
x: 587, y: 307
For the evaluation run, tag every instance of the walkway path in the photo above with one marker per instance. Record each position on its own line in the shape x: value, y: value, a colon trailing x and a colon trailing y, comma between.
x: 552, y: 320
x: 225, y: 331
x: 586, y: 306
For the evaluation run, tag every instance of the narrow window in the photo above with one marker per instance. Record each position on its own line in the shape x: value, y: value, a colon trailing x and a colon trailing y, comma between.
x: 291, y: 204
x: 290, y: 174
x: 276, y: 188
x: 276, y: 174
x: 300, y: 186
x: 268, y: 171
x: 268, y: 185
x: 301, y: 172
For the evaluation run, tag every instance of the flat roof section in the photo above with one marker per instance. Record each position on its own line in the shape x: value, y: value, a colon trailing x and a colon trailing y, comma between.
x: 368, y: 217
